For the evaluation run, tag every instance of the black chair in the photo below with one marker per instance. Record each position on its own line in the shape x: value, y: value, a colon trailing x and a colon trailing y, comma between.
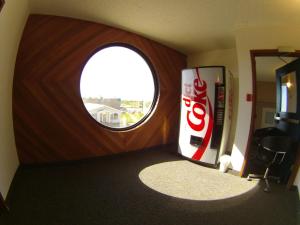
x: 266, y: 131
x: 258, y: 135
x: 272, y: 151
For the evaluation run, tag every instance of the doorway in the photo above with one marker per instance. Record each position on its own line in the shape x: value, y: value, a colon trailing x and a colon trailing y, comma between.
x: 264, y: 63
x: 265, y: 109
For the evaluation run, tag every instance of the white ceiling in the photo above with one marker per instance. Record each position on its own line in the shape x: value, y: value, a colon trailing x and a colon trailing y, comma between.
x: 266, y: 66
x: 187, y: 25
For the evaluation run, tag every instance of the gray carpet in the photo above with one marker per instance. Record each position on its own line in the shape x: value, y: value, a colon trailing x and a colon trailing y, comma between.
x: 142, y: 188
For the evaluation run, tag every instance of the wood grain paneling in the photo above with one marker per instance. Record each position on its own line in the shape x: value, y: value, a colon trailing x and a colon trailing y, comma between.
x: 1, y: 4
x: 50, y: 121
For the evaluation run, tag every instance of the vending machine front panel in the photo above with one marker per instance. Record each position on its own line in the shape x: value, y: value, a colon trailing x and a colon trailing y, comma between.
x: 202, y: 113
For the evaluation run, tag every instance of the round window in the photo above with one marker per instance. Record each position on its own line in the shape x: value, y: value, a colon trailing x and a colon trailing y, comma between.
x: 118, y: 87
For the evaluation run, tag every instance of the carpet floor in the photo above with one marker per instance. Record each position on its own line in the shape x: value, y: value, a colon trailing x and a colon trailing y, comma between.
x: 153, y: 186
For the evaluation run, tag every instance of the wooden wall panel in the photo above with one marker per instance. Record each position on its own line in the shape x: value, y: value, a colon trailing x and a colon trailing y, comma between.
x: 50, y: 121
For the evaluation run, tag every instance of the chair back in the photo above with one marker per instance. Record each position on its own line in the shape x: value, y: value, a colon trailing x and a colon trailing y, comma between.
x: 277, y: 143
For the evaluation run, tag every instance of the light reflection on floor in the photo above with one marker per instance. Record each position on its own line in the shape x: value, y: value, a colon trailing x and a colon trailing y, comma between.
x: 186, y: 180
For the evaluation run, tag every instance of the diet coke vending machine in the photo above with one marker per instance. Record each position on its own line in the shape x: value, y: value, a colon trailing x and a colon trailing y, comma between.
x: 205, y: 117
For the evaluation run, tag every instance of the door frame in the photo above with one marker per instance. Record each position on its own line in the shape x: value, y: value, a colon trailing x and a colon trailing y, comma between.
x: 261, y: 53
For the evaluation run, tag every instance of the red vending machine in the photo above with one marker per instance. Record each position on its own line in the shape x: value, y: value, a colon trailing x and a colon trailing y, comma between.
x: 204, y: 118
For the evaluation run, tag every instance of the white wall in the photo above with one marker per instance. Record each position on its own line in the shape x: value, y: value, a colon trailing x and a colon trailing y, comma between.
x: 246, y: 40
x: 12, y: 20
x: 220, y: 57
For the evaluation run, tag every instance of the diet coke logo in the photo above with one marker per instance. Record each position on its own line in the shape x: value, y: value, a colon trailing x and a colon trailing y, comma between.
x: 199, y: 106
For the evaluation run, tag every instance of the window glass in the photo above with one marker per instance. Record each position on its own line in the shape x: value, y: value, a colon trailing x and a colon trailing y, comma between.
x: 117, y: 87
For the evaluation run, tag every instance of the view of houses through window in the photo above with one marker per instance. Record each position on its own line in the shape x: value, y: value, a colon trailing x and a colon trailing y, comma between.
x: 115, y: 112
x: 117, y: 87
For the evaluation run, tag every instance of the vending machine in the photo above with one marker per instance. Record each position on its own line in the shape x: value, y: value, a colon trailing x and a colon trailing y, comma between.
x: 205, y: 113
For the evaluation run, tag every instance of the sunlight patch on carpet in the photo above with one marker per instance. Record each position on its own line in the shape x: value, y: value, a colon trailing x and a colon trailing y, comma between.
x: 186, y: 180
